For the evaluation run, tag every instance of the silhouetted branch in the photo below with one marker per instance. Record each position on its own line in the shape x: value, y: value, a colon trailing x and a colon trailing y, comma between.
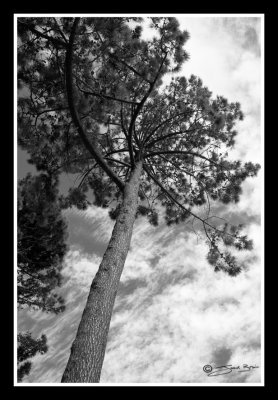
x: 69, y: 85
x: 53, y: 40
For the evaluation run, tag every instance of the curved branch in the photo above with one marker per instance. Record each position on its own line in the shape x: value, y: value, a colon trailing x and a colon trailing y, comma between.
x: 105, y: 96
x: 190, y: 174
x: 86, y: 174
x: 176, y: 201
x: 60, y: 31
x: 116, y: 151
x: 157, y: 153
x: 49, y: 110
x: 118, y: 161
x: 74, y: 114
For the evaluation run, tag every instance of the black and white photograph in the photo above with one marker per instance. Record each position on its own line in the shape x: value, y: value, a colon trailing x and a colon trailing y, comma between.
x: 138, y: 181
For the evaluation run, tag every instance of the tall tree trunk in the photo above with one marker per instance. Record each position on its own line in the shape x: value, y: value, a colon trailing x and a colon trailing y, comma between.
x: 88, y: 349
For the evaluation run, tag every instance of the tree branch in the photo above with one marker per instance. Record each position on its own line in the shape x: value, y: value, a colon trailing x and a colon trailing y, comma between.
x: 117, y: 151
x: 55, y: 41
x: 74, y: 114
x: 129, y: 67
x: 190, y: 174
x: 176, y: 201
x: 101, y: 95
x: 49, y: 110
x: 122, y: 123
x: 168, y: 135
x: 60, y: 31
x: 118, y: 161
x: 85, y: 175
x: 157, y: 153
x: 138, y: 109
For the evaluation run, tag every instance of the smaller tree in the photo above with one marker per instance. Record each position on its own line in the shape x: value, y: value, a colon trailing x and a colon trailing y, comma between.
x: 41, y: 243
x: 28, y: 347
x: 41, y: 248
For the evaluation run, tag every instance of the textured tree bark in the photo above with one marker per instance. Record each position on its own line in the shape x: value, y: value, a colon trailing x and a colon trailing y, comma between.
x: 88, y: 349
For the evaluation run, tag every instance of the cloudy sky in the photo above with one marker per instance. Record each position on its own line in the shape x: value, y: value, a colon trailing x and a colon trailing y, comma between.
x: 173, y: 314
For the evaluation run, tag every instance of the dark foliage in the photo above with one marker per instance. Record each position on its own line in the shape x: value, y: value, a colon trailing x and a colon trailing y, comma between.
x: 41, y: 243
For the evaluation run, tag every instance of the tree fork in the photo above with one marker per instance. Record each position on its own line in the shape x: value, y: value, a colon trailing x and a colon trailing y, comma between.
x: 88, y: 349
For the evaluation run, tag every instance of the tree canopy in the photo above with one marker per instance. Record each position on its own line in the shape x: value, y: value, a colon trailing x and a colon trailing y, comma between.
x: 94, y: 103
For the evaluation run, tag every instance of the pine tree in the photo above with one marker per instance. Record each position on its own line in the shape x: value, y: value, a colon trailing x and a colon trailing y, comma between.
x: 96, y: 105
x: 41, y: 244
x: 41, y: 248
